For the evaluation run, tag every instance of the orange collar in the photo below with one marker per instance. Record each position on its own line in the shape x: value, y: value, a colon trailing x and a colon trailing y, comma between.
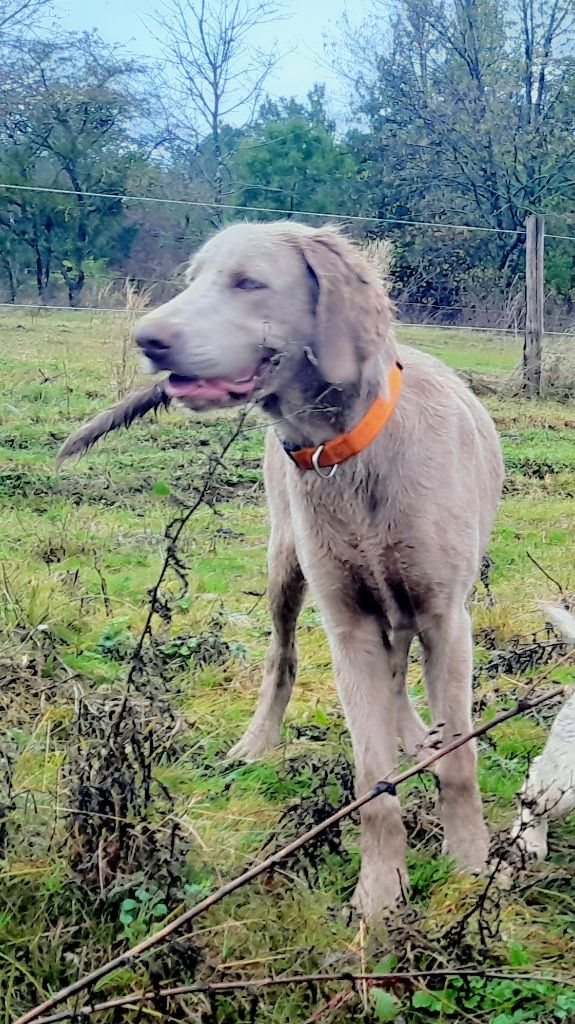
x: 345, y: 446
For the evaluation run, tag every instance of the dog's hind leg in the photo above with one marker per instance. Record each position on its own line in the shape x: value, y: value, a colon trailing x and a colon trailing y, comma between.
x: 410, y: 727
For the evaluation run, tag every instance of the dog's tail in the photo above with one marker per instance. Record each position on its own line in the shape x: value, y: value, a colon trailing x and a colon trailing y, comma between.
x: 563, y: 621
x: 122, y: 414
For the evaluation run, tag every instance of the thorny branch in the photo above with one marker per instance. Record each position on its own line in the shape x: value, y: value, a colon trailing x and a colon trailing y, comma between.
x: 172, y: 560
x: 254, y: 984
x: 387, y: 786
x: 174, y: 530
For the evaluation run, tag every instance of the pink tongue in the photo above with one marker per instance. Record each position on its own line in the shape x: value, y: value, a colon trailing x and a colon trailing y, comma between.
x: 182, y: 387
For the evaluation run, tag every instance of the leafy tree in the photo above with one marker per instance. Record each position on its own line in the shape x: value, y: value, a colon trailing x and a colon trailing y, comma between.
x: 292, y: 159
x: 65, y: 113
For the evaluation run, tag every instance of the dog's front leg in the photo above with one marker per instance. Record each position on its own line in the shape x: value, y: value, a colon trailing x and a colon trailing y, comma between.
x: 286, y: 587
x: 448, y: 653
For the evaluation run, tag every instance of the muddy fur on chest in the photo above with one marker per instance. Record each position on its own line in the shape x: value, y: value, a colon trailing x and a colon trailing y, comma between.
x: 377, y: 563
x: 382, y: 588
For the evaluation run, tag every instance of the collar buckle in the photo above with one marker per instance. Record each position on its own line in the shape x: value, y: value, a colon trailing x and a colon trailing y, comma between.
x: 315, y: 464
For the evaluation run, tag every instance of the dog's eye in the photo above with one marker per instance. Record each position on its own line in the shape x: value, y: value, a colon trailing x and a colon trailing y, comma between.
x: 249, y: 284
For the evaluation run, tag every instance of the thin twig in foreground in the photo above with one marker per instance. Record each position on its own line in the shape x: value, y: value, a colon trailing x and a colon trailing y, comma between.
x: 173, y: 533
x: 254, y: 984
x: 547, y: 575
x: 332, y: 1004
x: 385, y: 786
x: 537, y: 680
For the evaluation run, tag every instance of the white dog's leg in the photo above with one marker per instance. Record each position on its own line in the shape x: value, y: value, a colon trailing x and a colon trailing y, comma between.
x: 549, y: 790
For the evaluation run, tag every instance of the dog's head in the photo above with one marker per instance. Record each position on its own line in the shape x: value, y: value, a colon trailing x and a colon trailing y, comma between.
x: 265, y: 303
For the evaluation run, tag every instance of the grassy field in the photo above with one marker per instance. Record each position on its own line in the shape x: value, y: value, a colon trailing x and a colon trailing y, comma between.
x: 112, y: 823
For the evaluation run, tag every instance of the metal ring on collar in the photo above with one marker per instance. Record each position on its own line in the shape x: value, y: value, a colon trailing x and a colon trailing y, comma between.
x: 315, y: 463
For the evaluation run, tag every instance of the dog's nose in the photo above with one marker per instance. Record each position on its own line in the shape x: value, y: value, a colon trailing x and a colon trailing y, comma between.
x: 152, y: 346
x: 157, y: 336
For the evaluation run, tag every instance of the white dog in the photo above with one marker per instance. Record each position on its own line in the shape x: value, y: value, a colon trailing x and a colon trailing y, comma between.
x: 549, y: 790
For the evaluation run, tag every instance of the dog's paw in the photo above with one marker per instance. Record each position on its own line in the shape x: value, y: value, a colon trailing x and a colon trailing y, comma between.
x: 254, y: 743
x: 379, y: 893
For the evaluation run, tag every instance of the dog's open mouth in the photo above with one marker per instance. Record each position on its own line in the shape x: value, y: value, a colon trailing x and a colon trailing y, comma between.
x: 215, y: 389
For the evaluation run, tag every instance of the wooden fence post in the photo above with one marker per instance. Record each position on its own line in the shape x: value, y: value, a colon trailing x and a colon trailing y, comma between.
x: 534, y: 300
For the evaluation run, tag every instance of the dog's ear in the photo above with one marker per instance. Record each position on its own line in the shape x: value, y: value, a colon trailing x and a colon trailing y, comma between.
x: 352, y: 311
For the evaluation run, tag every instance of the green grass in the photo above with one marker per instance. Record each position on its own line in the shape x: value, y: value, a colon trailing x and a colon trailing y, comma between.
x: 464, y: 349
x: 79, y: 551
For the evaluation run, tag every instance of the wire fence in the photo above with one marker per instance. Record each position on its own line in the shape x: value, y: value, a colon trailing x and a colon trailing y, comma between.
x: 40, y: 309
x: 179, y: 281
x: 436, y: 309
x: 212, y: 205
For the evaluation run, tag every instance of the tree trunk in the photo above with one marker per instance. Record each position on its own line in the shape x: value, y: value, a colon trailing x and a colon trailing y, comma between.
x: 40, y: 288
x: 219, y: 171
x: 75, y: 287
x: 76, y: 284
x: 12, y: 286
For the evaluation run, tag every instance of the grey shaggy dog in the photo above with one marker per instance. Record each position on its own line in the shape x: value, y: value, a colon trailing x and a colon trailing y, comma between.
x: 295, y: 319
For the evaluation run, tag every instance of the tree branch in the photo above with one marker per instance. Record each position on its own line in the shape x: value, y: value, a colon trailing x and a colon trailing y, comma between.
x: 388, y: 787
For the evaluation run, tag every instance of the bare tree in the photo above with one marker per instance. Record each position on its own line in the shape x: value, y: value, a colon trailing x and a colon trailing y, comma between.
x: 18, y: 14
x: 470, y: 99
x: 214, y: 75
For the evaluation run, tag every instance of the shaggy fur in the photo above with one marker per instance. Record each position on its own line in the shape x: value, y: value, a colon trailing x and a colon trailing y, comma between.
x: 296, y: 319
x: 548, y: 793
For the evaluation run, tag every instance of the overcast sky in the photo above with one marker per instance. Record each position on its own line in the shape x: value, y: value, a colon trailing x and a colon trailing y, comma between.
x: 299, y: 34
